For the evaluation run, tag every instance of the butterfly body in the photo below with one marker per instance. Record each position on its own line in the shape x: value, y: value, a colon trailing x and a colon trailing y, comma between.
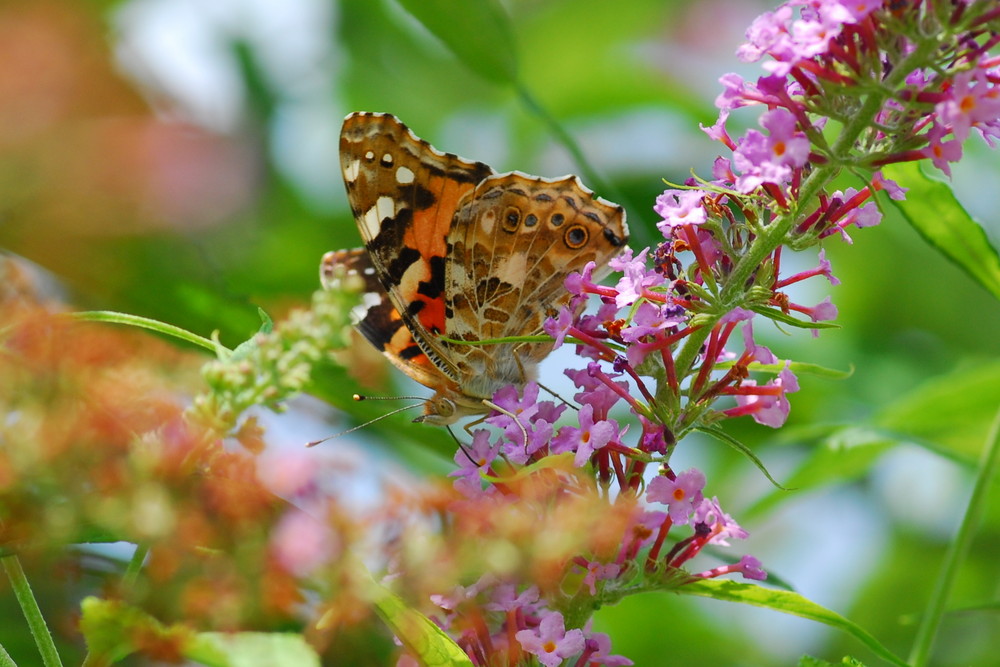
x: 456, y: 251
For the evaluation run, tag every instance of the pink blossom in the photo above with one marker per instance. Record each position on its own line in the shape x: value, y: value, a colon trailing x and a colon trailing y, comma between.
x: 550, y: 642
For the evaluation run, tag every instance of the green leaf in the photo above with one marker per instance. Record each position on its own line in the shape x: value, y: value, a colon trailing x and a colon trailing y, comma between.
x: 778, y: 316
x: 253, y: 649
x: 479, y: 33
x: 421, y: 637
x: 846, y: 454
x: 114, y: 630
x: 932, y: 209
x: 787, y: 602
x: 722, y: 436
x: 949, y: 414
x: 244, y: 349
x: 809, y: 661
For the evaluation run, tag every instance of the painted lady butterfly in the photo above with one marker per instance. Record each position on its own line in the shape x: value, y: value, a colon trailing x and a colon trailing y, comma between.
x: 455, y: 250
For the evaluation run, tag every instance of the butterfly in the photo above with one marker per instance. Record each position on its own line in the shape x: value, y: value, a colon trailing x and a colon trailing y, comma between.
x: 454, y: 250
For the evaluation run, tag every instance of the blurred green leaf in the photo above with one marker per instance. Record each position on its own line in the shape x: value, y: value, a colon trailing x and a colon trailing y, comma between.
x: 809, y: 661
x: 252, y: 649
x: 932, y: 209
x: 479, y: 33
x: 846, y: 454
x: 114, y: 630
x: 786, y: 602
x: 419, y: 634
x: 950, y: 414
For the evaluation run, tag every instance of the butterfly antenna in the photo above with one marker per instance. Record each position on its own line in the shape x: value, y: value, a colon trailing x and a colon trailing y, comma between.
x: 358, y: 397
x: 461, y: 446
x: 557, y: 396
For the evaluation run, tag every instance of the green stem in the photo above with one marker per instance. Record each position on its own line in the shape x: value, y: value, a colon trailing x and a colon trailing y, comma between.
x: 146, y: 323
x: 958, y: 550
x: 734, y: 292
x: 29, y: 607
x: 135, y: 565
x: 5, y: 659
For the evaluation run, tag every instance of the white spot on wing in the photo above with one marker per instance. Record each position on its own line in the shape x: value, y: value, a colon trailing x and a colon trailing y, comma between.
x: 386, y: 207
x: 371, y: 222
x: 487, y: 221
x: 404, y: 176
x: 352, y: 170
x: 368, y: 301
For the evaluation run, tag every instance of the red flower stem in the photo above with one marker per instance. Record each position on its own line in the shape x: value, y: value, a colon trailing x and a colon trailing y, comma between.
x: 661, y: 535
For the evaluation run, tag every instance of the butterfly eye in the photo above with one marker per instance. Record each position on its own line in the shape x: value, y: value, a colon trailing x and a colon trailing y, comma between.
x: 576, y: 236
x: 511, y: 219
x: 557, y: 219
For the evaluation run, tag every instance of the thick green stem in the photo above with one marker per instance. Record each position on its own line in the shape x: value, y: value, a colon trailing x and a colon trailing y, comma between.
x: 958, y: 550
x: 29, y: 607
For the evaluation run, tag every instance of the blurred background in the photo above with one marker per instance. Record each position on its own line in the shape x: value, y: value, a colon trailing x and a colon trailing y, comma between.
x: 177, y: 159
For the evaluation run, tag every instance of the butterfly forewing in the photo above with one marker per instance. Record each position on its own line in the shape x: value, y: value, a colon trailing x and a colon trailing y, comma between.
x: 403, y: 194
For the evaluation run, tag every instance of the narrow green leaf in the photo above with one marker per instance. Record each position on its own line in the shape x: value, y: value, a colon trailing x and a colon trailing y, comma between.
x: 778, y: 316
x: 479, y: 33
x: 787, y: 602
x: 932, y: 209
x: 421, y: 637
x: 846, y: 454
x: 145, y: 323
x: 722, y: 436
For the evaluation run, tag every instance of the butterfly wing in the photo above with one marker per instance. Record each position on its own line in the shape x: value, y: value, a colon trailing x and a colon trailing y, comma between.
x: 375, y: 317
x: 404, y: 193
x: 513, y: 242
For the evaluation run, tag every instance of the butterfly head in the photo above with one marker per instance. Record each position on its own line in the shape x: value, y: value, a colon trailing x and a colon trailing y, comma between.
x: 444, y: 409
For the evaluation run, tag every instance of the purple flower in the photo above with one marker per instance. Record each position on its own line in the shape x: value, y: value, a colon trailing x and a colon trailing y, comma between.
x: 591, y: 436
x: 710, y: 513
x: 826, y: 269
x: 576, y: 282
x: 757, y: 352
x: 770, y: 159
x: 942, y: 152
x: 558, y: 327
x: 597, y: 571
x: 679, y: 207
x: 968, y: 104
x: 519, y: 411
x: 682, y: 495
x: 472, y: 462
x: 550, y: 642
x: 636, y: 276
x: 506, y: 598
x: 595, y: 393
x: 751, y: 568
x: 598, y: 648
x: 767, y: 34
x: 880, y: 182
